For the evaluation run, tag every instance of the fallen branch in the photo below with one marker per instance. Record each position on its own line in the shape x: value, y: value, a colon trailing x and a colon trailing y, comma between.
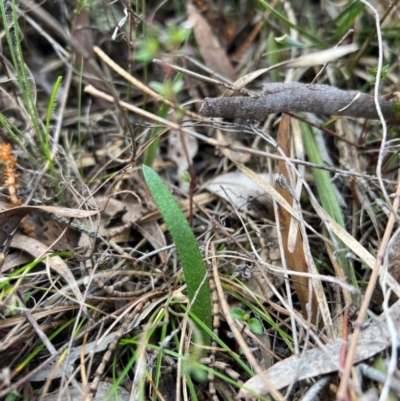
x: 318, y: 99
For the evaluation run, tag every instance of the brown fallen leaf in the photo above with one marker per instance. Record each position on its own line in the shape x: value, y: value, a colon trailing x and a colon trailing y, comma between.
x: 59, y: 236
x: 38, y: 249
x: 211, y: 51
x: 10, y: 218
x: 316, y: 362
x: 291, y: 236
x: 152, y: 231
x: 84, y: 36
x: 15, y: 259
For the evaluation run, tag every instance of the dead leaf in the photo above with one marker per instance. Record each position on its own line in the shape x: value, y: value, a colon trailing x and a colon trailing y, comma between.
x: 238, y: 157
x: 246, y: 196
x: 316, y: 362
x: 155, y: 236
x: 38, y: 249
x: 72, y: 393
x: 291, y: 236
x: 111, y: 206
x: 14, y: 260
x: 118, y: 217
x: 10, y: 218
x: 67, y: 238
x: 211, y: 51
x: 269, y: 189
x: 177, y: 153
x: 84, y: 36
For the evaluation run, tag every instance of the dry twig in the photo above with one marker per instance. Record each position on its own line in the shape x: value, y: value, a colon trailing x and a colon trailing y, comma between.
x: 294, y: 96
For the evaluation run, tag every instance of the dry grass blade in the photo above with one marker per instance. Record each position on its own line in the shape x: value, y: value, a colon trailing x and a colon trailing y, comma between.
x: 294, y: 214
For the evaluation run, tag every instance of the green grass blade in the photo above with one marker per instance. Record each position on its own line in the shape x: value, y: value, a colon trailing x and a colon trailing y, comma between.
x: 151, y: 151
x: 187, y: 248
x: 346, y: 19
x: 11, y: 29
x: 286, y: 22
x: 328, y: 198
x: 273, y: 56
x: 50, y: 109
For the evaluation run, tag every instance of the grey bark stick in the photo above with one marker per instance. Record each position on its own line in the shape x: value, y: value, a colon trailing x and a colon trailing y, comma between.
x: 290, y: 97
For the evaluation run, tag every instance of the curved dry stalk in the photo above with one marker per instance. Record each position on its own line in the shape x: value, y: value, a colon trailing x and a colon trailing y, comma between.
x: 294, y: 96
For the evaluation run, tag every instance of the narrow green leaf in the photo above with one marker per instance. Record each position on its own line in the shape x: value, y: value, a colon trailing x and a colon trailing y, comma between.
x: 328, y: 198
x: 50, y: 109
x: 273, y: 57
x: 290, y: 24
x: 151, y: 151
x: 291, y: 42
x: 186, y: 246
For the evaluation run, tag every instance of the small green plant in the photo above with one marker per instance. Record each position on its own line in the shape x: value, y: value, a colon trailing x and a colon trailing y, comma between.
x: 10, y: 18
x: 82, y: 5
x: 150, y: 46
x: 374, y: 71
x: 14, y: 395
x: 169, y: 89
x: 187, y: 248
x: 253, y: 323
